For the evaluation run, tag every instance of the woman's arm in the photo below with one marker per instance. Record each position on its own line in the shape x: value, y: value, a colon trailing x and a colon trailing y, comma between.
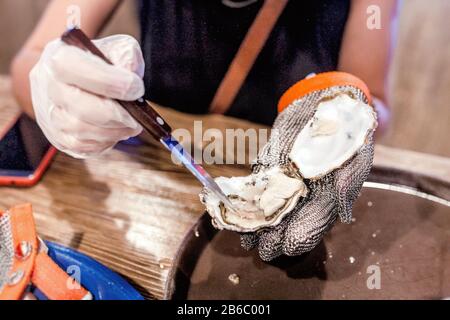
x: 366, y: 52
x: 94, y: 14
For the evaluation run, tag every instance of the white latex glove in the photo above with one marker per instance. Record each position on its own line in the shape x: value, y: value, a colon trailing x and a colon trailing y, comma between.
x: 72, y: 92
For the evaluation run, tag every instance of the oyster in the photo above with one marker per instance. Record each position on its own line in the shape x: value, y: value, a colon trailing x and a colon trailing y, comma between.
x: 260, y: 200
x: 338, y: 129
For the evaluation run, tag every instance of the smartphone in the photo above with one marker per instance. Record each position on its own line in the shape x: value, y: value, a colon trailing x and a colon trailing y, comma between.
x: 25, y: 153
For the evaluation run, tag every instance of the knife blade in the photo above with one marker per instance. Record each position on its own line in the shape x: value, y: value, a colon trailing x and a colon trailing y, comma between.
x: 197, y: 170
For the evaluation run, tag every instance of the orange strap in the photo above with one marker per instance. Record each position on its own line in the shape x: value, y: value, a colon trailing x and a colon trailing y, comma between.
x: 36, y: 267
x: 320, y: 82
x: 246, y: 56
x: 54, y: 282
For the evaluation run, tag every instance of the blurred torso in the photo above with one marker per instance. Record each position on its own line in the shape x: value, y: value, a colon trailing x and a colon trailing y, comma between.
x: 188, y: 46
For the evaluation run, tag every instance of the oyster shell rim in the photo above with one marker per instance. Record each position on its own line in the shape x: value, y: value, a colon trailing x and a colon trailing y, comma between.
x: 278, y: 216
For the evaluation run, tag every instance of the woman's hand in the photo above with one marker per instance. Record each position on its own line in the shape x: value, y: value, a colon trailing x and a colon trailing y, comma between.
x: 73, y: 91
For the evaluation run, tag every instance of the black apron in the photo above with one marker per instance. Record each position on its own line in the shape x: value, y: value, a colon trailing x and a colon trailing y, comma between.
x: 188, y: 46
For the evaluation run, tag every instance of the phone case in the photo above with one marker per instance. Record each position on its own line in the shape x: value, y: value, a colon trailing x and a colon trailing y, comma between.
x: 32, y: 179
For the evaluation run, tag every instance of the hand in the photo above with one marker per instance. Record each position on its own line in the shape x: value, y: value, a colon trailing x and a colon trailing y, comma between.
x: 329, y: 197
x: 72, y: 92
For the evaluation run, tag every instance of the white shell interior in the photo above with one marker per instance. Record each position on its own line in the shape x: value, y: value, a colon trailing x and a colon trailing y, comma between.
x: 261, y: 200
x: 337, y: 131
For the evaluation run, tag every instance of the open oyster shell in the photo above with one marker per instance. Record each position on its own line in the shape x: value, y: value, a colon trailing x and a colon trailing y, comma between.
x: 338, y: 129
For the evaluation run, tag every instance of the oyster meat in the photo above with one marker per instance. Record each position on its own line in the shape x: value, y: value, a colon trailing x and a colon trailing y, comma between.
x: 260, y: 200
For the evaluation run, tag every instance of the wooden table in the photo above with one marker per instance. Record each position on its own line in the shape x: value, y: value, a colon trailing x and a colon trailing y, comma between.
x: 131, y: 207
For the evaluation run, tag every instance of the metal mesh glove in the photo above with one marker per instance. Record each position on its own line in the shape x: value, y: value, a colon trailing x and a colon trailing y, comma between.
x: 331, y: 196
x: 6, y: 250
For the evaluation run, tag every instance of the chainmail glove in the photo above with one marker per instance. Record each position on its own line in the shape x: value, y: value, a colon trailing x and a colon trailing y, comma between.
x: 330, y: 196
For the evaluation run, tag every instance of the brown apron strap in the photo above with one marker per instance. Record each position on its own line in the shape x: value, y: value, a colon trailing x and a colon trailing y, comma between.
x: 246, y: 56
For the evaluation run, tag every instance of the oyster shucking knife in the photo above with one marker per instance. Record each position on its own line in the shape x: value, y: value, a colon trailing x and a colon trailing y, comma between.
x: 150, y: 120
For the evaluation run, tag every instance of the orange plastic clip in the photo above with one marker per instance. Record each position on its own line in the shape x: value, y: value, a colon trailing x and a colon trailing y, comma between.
x: 320, y: 82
